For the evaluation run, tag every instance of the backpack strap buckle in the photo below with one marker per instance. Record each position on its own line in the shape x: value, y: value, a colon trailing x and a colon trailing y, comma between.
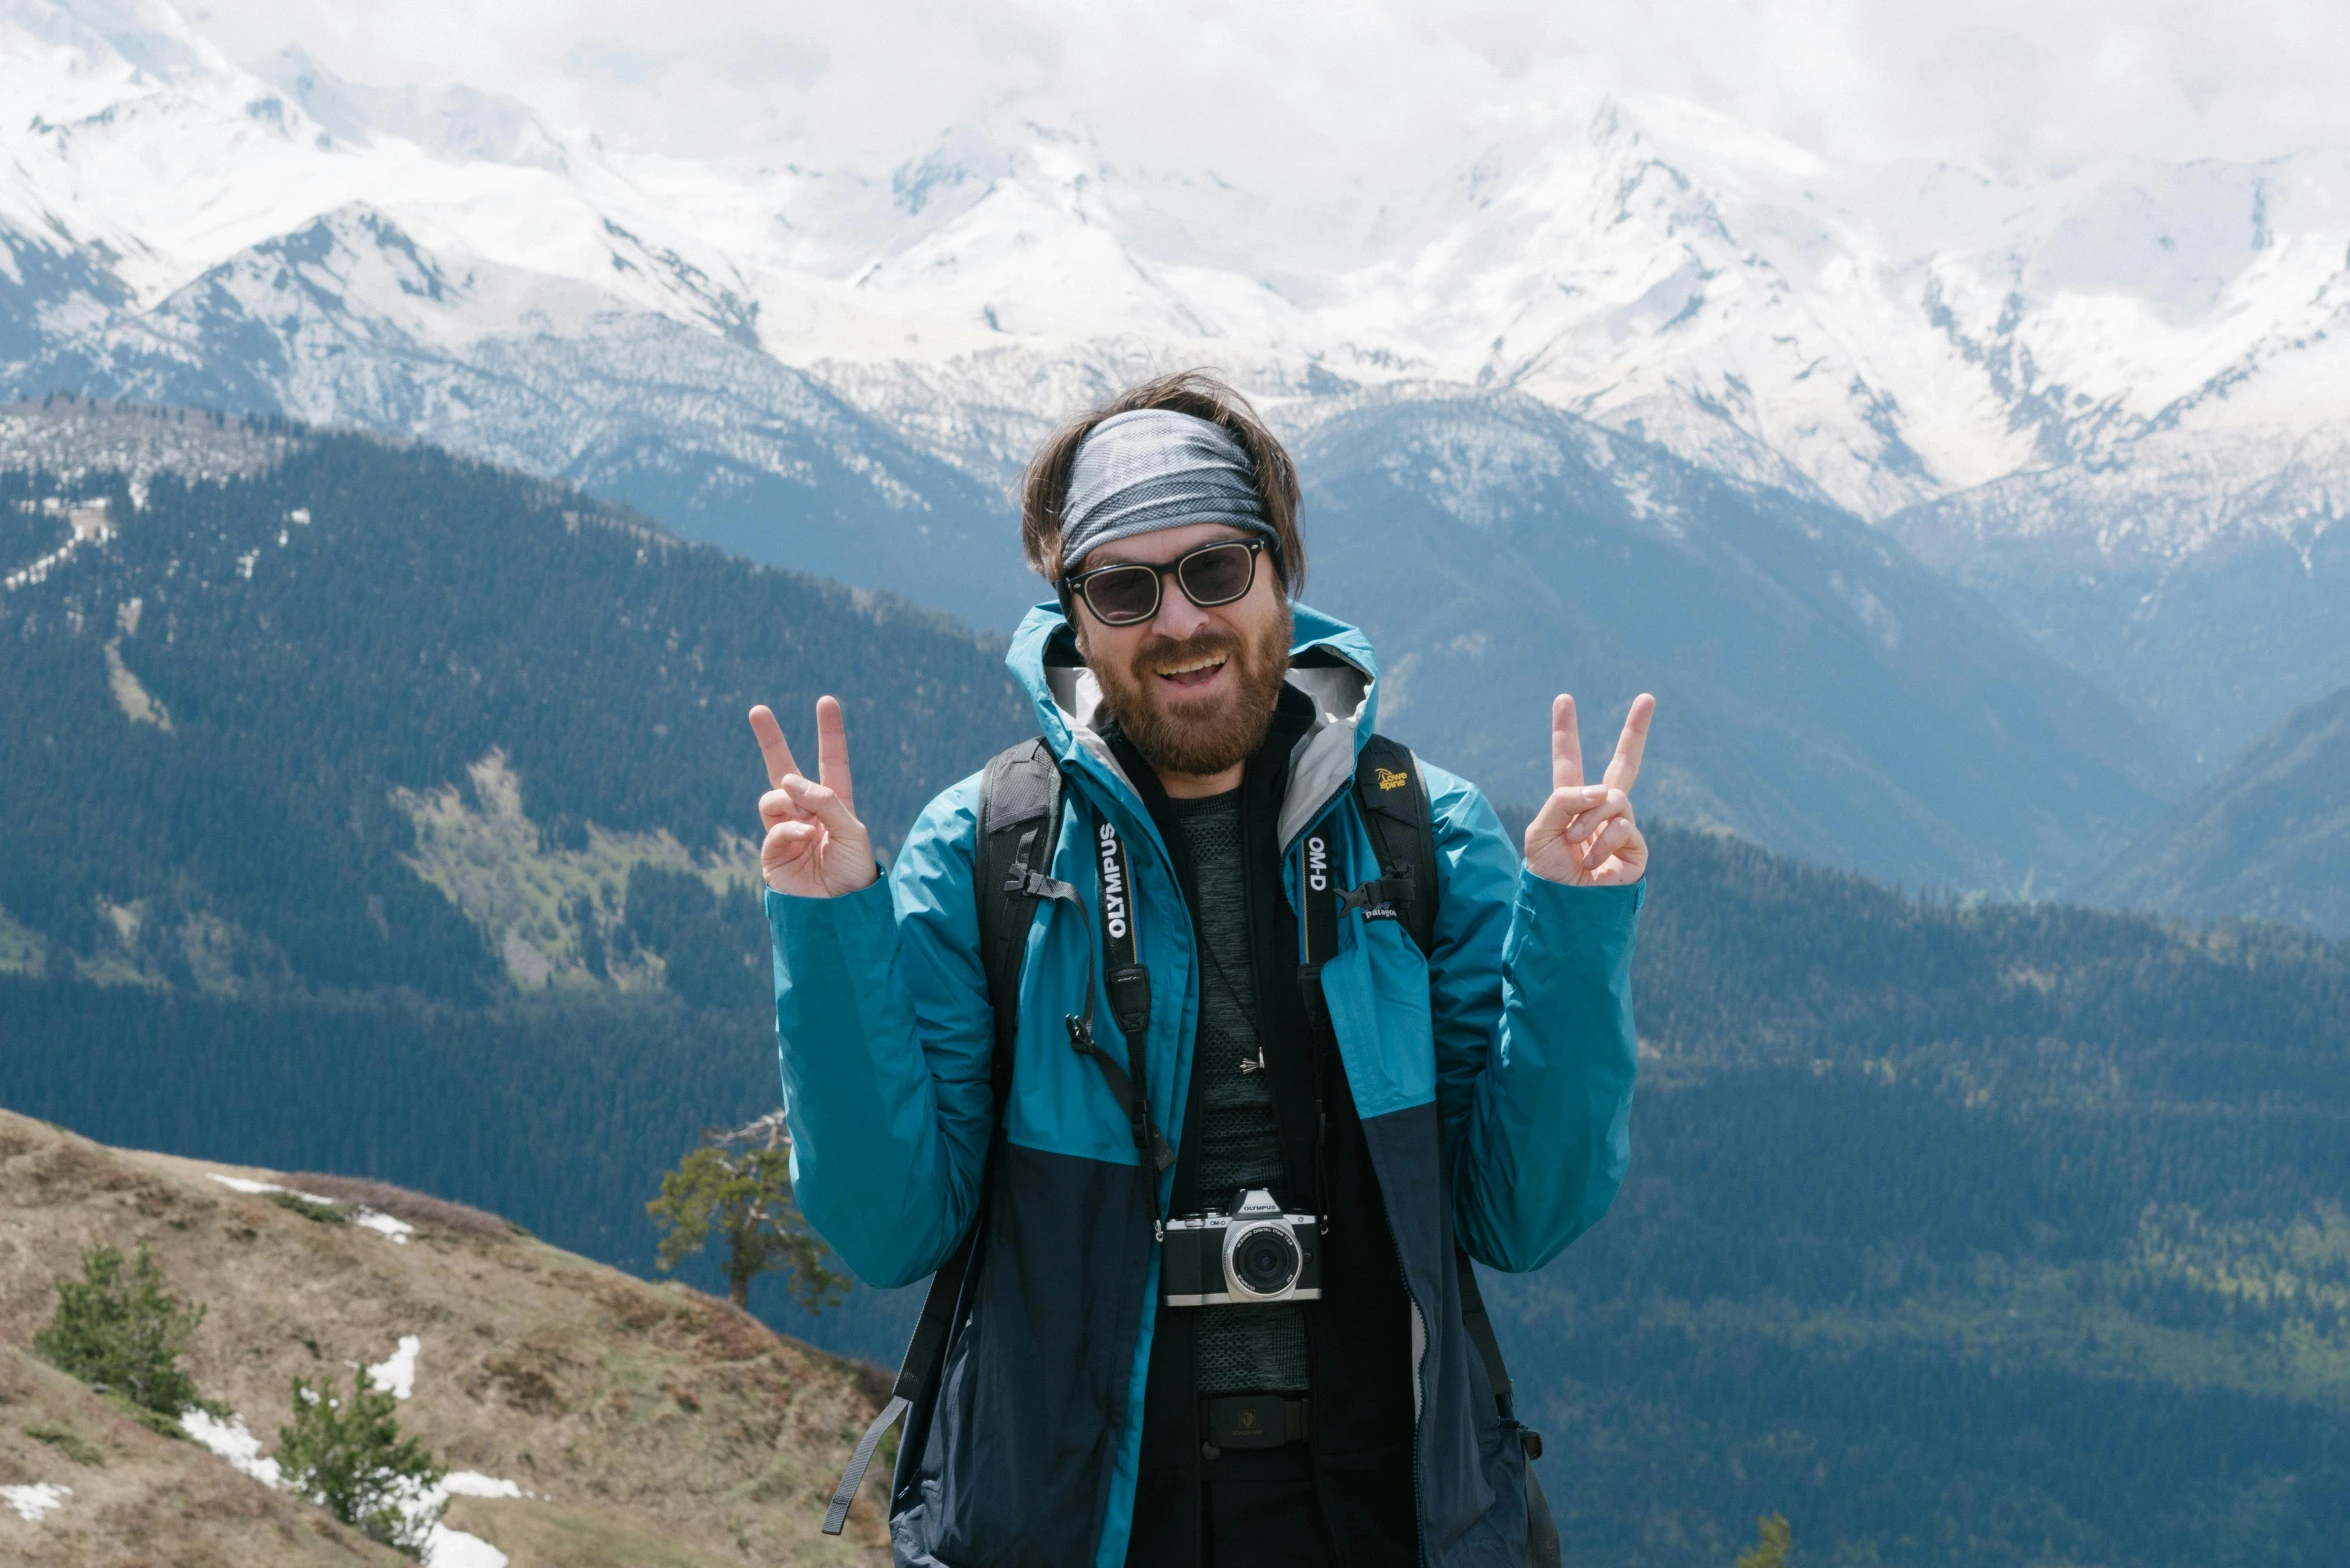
x: 1378, y: 900
x: 1025, y: 883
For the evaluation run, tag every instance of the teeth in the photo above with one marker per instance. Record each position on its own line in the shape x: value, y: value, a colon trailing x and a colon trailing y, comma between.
x: 1186, y: 669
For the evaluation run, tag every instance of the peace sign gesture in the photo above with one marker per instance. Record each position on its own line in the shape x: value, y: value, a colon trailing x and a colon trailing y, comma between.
x: 1584, y: 835
x: 815, y: 847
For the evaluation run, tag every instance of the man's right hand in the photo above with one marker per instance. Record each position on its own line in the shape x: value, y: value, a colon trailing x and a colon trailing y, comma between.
x: 815, y: 847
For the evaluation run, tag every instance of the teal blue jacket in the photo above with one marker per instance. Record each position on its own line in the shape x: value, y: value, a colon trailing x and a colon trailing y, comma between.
x: 1493, y: 1080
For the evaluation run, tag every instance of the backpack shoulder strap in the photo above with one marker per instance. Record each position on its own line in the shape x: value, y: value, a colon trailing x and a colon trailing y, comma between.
x: 1394, y: 801
x: 1479, y: 1323
x: 1396, y: 813
x: 1019, y: 821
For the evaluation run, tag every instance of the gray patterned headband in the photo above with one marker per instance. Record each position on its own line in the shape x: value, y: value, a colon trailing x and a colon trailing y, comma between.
x: 1154, y: 468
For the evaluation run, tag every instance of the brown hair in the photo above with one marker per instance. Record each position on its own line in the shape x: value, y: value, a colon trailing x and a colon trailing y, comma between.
x: 1197, y: 393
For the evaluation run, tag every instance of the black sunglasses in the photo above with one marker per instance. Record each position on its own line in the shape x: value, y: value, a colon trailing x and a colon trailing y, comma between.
x: 1127, y: 593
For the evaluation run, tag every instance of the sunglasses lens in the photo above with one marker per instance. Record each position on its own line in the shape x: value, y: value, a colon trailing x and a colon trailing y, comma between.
x: 1123, y: 595
x: 1219, y: 574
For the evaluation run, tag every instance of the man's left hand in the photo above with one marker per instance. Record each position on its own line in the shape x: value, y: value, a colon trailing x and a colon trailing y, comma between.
x: 1584, y: 835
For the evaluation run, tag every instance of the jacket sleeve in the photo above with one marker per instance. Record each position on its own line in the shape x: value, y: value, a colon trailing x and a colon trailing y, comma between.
x: 882, y: 1015
x: 1530, y: 987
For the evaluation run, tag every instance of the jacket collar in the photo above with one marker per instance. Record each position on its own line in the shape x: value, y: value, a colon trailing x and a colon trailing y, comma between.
x: 1330, y: 661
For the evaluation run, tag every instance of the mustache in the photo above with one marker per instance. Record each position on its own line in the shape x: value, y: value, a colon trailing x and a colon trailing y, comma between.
x: 1169, y: 650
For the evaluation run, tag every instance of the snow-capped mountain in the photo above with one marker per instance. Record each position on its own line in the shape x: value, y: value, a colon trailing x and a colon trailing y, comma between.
x: 2073, y: 375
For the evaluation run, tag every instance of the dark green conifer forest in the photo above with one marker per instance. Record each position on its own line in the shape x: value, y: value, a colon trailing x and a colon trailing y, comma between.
x: 407, y: 842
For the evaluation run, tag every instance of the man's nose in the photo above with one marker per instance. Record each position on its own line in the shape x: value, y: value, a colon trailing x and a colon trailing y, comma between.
x: 1178, y: 617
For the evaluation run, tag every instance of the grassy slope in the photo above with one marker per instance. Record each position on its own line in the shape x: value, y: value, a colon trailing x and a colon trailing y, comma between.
x: 658, y: 1426
x: 132, y: 1489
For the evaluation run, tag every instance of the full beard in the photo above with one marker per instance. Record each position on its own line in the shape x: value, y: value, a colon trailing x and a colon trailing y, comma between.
x: 1199, y: 736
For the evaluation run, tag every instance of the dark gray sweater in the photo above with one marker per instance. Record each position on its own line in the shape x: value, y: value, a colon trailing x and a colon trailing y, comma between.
x: 1241, y: 1350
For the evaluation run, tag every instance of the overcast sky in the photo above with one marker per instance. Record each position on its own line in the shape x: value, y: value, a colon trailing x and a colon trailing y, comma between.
x: 1363, y: 84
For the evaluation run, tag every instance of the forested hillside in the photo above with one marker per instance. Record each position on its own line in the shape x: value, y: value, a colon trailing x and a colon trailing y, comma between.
x: 1961, y: 1233
x: 2270, y: 837
x: 281, y: 730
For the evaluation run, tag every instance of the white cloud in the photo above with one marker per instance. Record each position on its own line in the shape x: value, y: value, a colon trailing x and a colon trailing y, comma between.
x: 1364, y: 89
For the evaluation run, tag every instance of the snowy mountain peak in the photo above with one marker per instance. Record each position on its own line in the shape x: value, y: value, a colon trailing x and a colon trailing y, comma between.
x: 455, y: 124
x: 1884, y: 336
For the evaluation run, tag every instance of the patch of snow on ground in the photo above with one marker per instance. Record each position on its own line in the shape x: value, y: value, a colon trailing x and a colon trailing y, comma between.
x: 383, y: 1224
x: 447, y: 1548
x: 397, y: 1376
x: 472, y: 1483
x: 232, y: 1442
x: 248, y: 1184
x: 34, y: 1502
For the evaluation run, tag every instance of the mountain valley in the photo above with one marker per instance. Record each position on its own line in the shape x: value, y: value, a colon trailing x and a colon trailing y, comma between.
x: 2269, y: 839
x: 1819, y: 691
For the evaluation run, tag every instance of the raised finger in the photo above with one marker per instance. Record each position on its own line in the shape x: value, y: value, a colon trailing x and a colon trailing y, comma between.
x: 1632, y: 743
x: 1566, y: 745
x: 773, y: 749
x: 832, y: 751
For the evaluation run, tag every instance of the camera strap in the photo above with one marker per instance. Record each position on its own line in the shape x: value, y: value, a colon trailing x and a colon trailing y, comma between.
x: 1129, y: 985
x: 1317, y: 943
x: 1317, y: 916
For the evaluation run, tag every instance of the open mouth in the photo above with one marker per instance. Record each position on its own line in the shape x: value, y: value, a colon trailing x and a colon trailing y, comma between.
x: 1190, y: 674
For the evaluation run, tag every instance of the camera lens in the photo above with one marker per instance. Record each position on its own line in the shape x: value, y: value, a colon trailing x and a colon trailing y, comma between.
x: 1267, y: 1260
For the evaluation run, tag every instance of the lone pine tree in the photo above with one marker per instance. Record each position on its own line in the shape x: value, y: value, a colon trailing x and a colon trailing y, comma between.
x: 738, y: 1185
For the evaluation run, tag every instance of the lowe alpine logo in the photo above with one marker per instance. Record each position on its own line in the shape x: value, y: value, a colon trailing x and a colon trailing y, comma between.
x: 1317, y: 865
x: 1390, y: 779
x: 1113, y: 885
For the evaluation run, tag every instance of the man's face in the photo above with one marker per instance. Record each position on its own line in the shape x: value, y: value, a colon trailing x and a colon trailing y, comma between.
x: 1192, y: 687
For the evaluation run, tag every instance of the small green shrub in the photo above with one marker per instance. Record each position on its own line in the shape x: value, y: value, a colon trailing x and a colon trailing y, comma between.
x: 310, y: 1208
x: 345, y: 1452
x: 68, y: 1442
x: 124, y: 1337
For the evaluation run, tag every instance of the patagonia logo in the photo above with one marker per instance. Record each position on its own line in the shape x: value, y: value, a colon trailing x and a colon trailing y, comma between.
x: 1317, y: 864
x: 1390, y: 779
x: 1113, y: 885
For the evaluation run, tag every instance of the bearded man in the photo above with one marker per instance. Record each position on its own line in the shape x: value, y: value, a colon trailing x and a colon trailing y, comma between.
x: 1201, y: 1108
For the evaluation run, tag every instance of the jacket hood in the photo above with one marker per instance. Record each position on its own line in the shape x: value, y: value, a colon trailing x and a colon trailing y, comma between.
x: 1330, y: 661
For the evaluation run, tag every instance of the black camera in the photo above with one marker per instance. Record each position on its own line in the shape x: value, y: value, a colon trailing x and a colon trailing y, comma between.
x: 1249, y: 1257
